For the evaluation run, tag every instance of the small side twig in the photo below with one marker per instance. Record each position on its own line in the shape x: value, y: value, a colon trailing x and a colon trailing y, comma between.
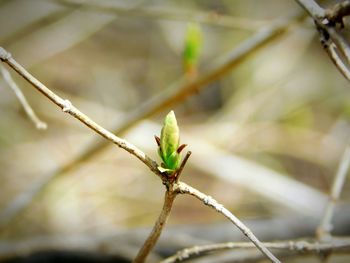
x: 331, y: 49
x: 68, y: 107
x: 323, y: 232
x: 299, y: 246
x: 183, y: 164
x: 39, y: 124
x: 158, y: 227
x: 183, y: 188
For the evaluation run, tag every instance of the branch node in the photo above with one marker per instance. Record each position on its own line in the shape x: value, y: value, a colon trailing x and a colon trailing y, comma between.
x: 338, y: 12
x: 325, y: 21
x: 67, y: 106
x: 207, y: 200
x: 300, y: 245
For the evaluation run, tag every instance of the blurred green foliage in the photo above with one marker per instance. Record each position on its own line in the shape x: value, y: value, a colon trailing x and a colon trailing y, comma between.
x: 192, y: 47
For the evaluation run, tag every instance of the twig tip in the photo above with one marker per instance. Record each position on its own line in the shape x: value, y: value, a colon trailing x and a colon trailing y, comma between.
x: 41, y: 125
x: 4, y: 55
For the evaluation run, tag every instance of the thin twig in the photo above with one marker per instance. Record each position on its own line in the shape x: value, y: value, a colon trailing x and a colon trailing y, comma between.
x: 299, y: 246
x: 175, y: 93
x: 183, y: 188
x: 339, y: 41
x: 68, y: 107
x: 183, y: 164
x: 324, y: 230
x: 39, y: 124
x: 158, y: 227
x: 326, y: 28
x: 338, y: 62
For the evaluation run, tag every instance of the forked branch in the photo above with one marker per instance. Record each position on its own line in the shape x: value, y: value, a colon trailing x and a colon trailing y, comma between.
x: 68, y: 107
x: 172, y: 189
x: 332, y: 40
x: 39, y: 124
x: 183, y: 188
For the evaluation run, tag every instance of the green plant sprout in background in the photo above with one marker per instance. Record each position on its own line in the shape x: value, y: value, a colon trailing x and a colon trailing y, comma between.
x: 192, y: 49
x: 169, y: 148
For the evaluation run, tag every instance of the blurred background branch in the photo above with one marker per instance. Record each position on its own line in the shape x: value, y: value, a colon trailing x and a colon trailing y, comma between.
x: 27, y: 108
x: 324, y: 230
x: 298, y: 246
x: 326, y: 21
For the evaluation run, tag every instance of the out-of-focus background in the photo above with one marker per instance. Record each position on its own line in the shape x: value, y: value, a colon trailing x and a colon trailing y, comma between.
x: 267, y: 136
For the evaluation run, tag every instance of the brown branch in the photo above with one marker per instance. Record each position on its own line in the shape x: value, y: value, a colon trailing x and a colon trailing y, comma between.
x: 337, y: 13
x: 298, y: 246
x: 175, y: 93
x: 169, y: 198
x: 68, y: 107
x: 183, y: 188
x: 39, y: 124
x: 181, y: 89
x: 182, y: 166
x: 323, y: 231
x: 158, y: 227
x: 327, y: 31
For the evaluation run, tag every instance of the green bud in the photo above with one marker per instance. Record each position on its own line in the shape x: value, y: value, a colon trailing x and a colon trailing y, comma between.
x: 169, y: 143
